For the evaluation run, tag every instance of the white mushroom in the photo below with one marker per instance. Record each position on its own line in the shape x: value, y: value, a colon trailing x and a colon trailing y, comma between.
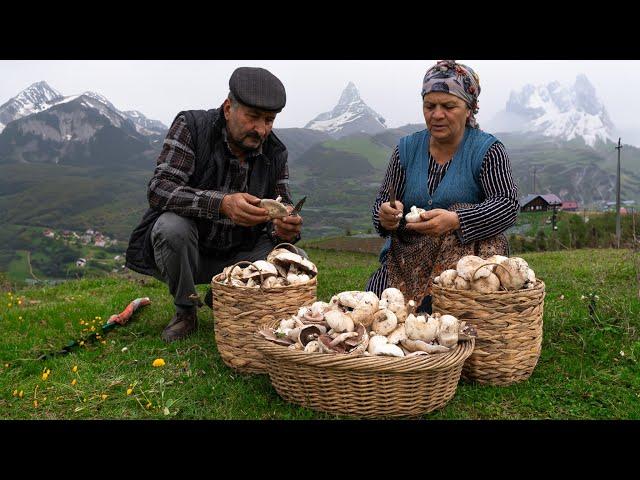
x: 378, y: 346
x: 448, y: 332
x: 319, y: 307
x: 469, y: 264
x: 421, y: 328
x: 260, y: 266
x: 414, y: 215
x: 488, y: 284
x: 286, y: 259
x: 338, y: 321
x: 420, y: 346
x: 394, y: 300
x: 384, y: 322
x: 447, y: 278
x: 513, y: 273
x: 274, y: 208
x: 461, y: 284
x: 312, y: 347
x: 398, y: 334
x: 366, y: 307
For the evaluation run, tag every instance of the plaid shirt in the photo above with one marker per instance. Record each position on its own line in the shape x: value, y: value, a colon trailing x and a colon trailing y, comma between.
x: 168, y: 189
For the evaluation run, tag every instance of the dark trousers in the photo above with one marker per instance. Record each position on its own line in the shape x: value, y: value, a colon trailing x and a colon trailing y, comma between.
x: 180, y: 263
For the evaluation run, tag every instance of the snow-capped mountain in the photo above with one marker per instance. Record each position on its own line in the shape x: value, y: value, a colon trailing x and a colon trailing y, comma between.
x: 33, y: 99
x: 144, y: 125
x: 350, y: 115
x: 555, y: 110
x: 40, y: 97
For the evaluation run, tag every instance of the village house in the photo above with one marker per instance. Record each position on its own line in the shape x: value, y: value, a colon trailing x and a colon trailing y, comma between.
x: 47, y: 232
x: 539, y: 203
x: 569, y: 206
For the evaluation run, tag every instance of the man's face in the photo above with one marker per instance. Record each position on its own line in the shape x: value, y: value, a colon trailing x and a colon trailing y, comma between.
x: 248, y: 127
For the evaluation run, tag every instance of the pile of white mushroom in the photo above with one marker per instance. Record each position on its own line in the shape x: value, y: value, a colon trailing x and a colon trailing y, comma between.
x: 282, y: 268
x: 488, y: 275
x: 360, y: 323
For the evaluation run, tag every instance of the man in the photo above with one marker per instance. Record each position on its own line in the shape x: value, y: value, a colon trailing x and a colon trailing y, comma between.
x: 214, y: 168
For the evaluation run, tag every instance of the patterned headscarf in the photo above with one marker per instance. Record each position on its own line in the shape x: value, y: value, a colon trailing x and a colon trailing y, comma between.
x: 450, y: 77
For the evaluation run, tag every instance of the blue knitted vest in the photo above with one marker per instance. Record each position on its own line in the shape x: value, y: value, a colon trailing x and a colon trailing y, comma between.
x: 461, y: 183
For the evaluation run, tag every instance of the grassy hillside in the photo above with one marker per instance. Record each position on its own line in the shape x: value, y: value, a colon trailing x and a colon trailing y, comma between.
x: 588, y: 368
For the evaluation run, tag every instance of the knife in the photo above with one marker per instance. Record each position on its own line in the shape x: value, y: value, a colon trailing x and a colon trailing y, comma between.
x: 298, y: 207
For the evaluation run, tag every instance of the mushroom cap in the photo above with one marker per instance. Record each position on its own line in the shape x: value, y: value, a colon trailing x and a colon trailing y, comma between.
x: 272, y: 337
x: 384, y: 322
x: 286, y: 258
x: 422, y: 328
x: 488, y: 284
x: 312, y: 347
x: 447, y: 278
x: 309, y: 333
x: 469, y: 264
x: 513, y: 273
x: 448, y: 331
x: 274, y: 208
x: 260, y: 266
x: 397, y: 335
x: 414, y: 214
x: 461, y: 284
x: 339, y: 321
x: 392, y: 295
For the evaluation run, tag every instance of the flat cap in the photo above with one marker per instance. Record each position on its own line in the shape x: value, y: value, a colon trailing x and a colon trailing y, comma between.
x: 258, y: 88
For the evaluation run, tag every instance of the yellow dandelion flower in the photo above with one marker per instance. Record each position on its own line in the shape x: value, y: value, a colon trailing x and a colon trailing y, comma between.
x: 158, y: 362
x: 9, y: 304
x: 45, y: 375
x: 19, y: 318
x: 74, y: 381
x: 129, y: 391
x: 81, y: 343
x: 21, y: 394
x: 75, y: 368
x: 19, y: 302
x: 15, y: 393
x: 103, y: 396
x: 148, y: 405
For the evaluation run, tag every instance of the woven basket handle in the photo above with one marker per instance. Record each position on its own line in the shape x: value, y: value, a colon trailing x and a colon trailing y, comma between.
x: 286, y: 244
x: 492, y: 263
x: 250, y: 263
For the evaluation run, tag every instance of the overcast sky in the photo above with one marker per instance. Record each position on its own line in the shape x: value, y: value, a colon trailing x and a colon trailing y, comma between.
x: 160, y: 89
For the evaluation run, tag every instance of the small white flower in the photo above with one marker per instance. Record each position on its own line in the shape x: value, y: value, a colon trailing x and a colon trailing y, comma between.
x: 621, y: 353
x: 124, y: 349
x: 596, y: 297
x: 561, y: 297
x: 582, y: 297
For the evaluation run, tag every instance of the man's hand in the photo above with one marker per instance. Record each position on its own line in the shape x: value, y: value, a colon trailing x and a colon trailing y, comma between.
x: 436, y: 222
x: 288, y: 228
x: 390, y: 217
x: 242, y: 210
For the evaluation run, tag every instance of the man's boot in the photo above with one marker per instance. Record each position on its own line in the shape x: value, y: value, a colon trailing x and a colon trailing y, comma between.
x: 181, y: 326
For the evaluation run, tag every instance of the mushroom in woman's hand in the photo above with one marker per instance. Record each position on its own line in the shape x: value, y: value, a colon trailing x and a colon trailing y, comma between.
x: 414, y: 215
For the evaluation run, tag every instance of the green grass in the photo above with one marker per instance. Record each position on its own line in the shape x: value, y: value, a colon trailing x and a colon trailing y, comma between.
x: 581, y: 374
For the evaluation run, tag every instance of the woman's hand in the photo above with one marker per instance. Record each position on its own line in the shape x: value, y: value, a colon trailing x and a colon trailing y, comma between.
x: 436, y: 222
x: 389, y: 216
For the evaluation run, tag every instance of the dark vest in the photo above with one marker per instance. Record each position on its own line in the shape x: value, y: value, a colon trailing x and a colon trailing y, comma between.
x: 211, y: 165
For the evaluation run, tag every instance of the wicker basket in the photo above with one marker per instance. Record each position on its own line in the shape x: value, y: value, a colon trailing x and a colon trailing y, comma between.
x: 240, y: 311
x: 363, y: 386
x: 509, y: 325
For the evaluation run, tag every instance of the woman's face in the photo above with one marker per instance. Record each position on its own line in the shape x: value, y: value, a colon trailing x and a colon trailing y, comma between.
x: 446, y: 115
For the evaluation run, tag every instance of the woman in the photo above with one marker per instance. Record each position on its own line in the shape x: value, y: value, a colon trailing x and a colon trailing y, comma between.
x: 459, y: 174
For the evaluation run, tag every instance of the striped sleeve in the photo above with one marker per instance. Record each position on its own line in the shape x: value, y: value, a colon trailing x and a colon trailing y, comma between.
x: 394, y: 178
x: 499, y: 210
x: 168, y: 190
